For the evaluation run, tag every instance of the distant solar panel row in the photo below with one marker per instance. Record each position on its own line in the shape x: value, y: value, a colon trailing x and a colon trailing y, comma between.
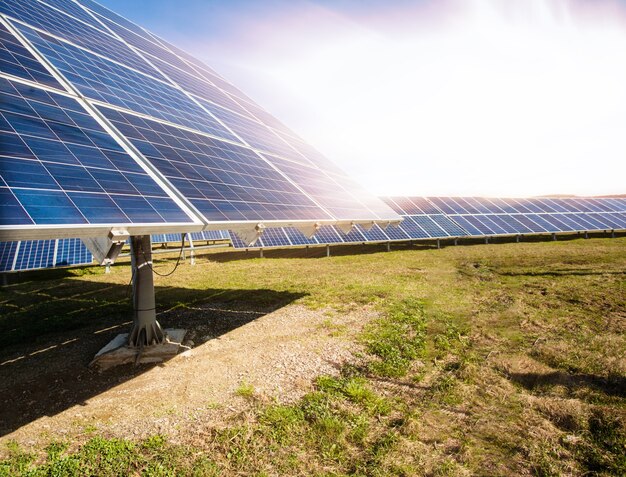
x: 454, y: 217
x: 37, y: 254
x: 602, y: 215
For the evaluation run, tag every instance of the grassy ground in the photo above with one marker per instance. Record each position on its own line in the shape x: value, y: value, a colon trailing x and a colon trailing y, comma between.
x: 502, y: 359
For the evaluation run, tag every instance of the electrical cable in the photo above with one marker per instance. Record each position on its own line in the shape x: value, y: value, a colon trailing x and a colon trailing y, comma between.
x: 182, y: 248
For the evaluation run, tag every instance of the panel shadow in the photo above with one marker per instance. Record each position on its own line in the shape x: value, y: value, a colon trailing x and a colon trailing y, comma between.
x: 51, y: 330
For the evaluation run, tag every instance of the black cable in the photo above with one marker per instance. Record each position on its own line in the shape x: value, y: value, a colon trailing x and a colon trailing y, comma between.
x: 182, y: 248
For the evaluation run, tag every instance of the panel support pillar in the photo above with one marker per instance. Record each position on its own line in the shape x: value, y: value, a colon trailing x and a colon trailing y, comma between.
x: 260, y: 253
x: 438, y: 243
x: 612, y: 233
x: 388, y: 246
x: 486, y: 239
x: 328, y: 250
x: 456, y: 241
x: 586, y: 235
x: 554, y: 237
x: 517, y: 238
x: 146, y: 329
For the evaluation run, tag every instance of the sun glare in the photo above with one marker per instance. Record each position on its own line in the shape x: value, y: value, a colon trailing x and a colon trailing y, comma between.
x: 475, y: 100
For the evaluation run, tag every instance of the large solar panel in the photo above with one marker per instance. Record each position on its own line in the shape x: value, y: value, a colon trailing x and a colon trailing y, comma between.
x: 106, y: 125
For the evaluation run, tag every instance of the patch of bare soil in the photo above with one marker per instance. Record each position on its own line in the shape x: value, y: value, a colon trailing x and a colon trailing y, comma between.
x: 274, y: 356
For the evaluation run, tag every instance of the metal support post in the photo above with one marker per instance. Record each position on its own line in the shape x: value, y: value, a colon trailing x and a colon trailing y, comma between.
x: 146, y: 329
x: 456, y: 241
x: 554, y: 237
x: 260, y: 253
x: 107, y: 268
x: 586, y: 235
x: 192, y: 251
x: 438, y: 243
x: 388, y: 246
x: 517, y: 237
x: 612, y: 233
x: 486, y: 239
x: 328, y: 250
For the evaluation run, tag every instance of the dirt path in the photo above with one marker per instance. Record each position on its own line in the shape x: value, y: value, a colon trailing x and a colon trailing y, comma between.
x: 52, y: 395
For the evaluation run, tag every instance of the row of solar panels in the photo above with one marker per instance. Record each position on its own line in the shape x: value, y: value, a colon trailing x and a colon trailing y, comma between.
x: 424, y: 218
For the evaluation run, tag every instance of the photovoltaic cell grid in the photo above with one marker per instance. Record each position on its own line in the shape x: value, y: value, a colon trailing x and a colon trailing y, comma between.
x: 17, y: 61
x: 60, y: 167
x: 38, y: 254
x: 223, y: 180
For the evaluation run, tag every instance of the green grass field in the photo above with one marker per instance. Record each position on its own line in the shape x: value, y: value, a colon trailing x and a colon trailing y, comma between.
x: 505, y: 359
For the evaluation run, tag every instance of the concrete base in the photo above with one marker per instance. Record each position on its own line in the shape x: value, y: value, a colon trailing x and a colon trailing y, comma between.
x: 118, y: 352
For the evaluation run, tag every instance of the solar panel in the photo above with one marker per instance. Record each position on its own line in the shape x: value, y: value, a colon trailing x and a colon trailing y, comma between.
x: 38, y: 254
x: 139, y: 132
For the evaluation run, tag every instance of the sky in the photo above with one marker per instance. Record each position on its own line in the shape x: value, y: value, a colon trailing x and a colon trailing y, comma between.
x: 428, y: 97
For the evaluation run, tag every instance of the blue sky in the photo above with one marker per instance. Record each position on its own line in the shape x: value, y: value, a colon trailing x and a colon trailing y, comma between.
x: 430, y: 97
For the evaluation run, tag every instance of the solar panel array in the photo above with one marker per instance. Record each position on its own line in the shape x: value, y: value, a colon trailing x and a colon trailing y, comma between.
x: 424, y: 219
x: 455, y: 217
x: 105, y: 125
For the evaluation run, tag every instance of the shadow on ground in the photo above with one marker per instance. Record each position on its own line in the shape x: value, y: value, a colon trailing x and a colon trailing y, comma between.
x: 50, y: 329
x: 612, y: 386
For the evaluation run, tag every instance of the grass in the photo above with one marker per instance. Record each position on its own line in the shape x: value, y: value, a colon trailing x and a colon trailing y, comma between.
x: 485, y: 360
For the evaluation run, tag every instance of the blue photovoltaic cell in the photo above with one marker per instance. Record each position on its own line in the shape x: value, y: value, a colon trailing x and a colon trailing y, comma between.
x: 298, y: 238
x: 103, y: 80
x: 466, y: 203
x: 592, y: 220
x: 428, y: 225
x: 91, y: 36
x: 503, y: 206
x: 60, y: 167
x: 546, y: 225
x: 223, y: 180
x: 273, y: 237
x: 354, y: 236
x: 34, y: 254
x: 375, y: 234
x: 236, y: 241
x: 414, y: 231
x: 470, y: 226
x: 327, y: 235
x: 7, y: 255
x: 560, y: 225
x: 527, y: 221
x: 72, y: 252
x: 446, y: 205
x: 405, y: 206
x: 394, y: 232
x: 615, y: 219
x: 449, y: 227
x: 495, y: 227
x: 511, y: 224
x: 18, y: 61
x: 528, y: 205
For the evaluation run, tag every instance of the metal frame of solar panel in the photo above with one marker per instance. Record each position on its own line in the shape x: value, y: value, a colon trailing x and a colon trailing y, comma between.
x: 119, y: 129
